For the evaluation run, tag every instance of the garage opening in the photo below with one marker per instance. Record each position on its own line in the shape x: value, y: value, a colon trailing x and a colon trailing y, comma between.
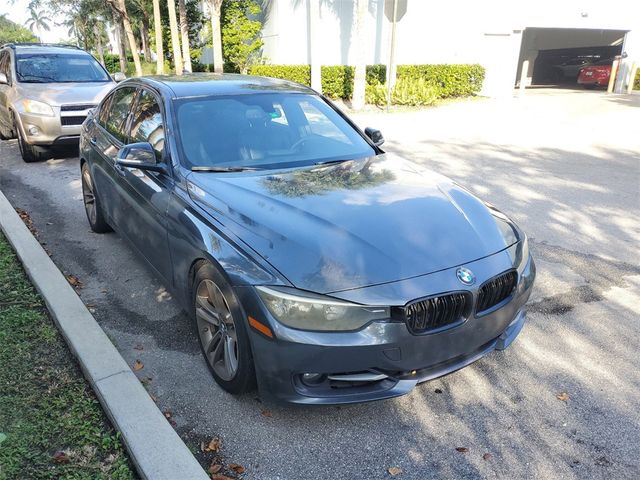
x: 556, y: 56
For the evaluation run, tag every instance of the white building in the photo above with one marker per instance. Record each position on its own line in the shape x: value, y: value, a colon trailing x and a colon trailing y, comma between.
x: 499, y: 34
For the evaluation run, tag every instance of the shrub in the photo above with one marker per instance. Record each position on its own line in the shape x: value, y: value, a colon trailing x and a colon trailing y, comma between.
x: 112, y: 62
x: 376, y: 74
x: 449, y: 80
x: 337, y: 81
x: 415, y: 92
x: 636, y: 82
x: 296, y: 73
x: 375, y: 94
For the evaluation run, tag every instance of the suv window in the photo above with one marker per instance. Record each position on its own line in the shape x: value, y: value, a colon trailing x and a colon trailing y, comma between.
x: 119, y: 111
x: 5, y: 64
x: 147, y: 124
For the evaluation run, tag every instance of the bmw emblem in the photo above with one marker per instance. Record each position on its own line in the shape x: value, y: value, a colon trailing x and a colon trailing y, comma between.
x: 466, y: 276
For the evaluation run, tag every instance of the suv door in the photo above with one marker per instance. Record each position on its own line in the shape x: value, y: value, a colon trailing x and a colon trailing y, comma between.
x: 145, y: 194
x: 6, y: 124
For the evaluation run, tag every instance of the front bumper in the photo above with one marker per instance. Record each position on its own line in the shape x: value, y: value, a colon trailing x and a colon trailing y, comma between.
x: 49, y: 131
x: 393, y: 359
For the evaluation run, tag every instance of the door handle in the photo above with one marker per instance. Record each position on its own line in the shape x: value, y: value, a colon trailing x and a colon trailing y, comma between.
x: 119, y: 169
x: 93, y: 140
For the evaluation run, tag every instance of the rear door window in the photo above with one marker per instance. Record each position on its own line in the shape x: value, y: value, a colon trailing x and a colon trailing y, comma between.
x: 116, y: 121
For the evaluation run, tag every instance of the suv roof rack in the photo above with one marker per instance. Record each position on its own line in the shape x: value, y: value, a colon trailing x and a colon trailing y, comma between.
x: 38, y: 44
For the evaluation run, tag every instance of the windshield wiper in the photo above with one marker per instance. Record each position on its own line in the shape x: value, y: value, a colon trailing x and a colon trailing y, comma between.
x: 329, y: 162
x: 221, y: 169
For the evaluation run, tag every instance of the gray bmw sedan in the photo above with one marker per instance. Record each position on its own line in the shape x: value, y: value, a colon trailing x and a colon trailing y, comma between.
x: 313, y: 264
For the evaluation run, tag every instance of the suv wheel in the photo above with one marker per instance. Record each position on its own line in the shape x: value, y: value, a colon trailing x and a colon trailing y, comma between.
x: 30, y: 153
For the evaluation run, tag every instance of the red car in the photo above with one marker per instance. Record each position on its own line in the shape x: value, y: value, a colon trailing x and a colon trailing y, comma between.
x: 596, y: 75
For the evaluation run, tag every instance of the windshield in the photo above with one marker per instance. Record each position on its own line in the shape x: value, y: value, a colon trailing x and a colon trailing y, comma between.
x: 48, y: 68
x: 266, y: 130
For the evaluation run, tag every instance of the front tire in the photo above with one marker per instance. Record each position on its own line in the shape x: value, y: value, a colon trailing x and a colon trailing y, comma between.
x: 222, y: 331
x: 92, y: 205
x: 30, y: 153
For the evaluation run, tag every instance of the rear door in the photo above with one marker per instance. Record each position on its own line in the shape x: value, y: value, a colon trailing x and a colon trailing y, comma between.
x: 108, y: 135
x: 144, y: 194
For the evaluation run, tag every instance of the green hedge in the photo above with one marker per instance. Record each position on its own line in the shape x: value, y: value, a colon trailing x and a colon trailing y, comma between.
x: 296, y: 73
x: 448, y: 80
x: 415, y: 85
x: 636, y: 82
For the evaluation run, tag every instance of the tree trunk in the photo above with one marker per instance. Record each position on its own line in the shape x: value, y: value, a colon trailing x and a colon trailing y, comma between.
x: 175, y: 38
x: 360, y: 75
x: 132, y: 40
x: 122, y: 48
x: 218, y: 62
x: 144, y: 35
x: 314, y: 47
x: 184, y: 34
x: 157, y: 27
x: 99, y: 47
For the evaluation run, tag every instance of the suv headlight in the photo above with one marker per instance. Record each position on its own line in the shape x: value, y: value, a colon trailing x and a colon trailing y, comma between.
x: 307, y: 311
x: 37, y: 107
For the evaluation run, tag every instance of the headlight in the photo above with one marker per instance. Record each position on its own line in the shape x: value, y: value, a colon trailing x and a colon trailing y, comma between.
x: 36, y: 107
x: 308, y: 311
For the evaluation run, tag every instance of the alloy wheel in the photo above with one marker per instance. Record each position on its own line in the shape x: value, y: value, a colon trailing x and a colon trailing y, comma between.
x: 217, y: 330
x: 88, y: 196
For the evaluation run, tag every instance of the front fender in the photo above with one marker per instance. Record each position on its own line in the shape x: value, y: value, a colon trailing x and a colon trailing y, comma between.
x: 195, y: 235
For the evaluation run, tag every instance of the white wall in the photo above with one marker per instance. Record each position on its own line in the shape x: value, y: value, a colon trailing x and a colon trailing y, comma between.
x: 466, y: 31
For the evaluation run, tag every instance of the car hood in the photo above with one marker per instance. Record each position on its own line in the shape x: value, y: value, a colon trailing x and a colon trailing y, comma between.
x: 56, y: 94
x: 356, y: 223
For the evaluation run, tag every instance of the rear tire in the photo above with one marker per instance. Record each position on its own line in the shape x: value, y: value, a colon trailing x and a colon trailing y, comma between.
x: 30, y: 153
x: 92, y: 205
x: 222, y: 331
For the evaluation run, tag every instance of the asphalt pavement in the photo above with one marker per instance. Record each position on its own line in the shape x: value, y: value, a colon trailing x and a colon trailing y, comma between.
x: 562, y: 402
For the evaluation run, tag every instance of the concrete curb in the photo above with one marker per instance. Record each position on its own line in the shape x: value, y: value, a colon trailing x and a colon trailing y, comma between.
x: 155, y: 448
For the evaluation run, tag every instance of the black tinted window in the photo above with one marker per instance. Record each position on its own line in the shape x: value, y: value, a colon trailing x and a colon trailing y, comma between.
x: 266, y: 130
x: 104, y: 111
x: 118, y: 112
x: 147, y: 125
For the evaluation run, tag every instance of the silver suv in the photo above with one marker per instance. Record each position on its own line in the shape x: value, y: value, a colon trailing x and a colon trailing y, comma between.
x: 46, y: 92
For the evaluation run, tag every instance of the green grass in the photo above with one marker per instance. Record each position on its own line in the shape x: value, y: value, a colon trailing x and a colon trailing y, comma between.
x: 46, y: 405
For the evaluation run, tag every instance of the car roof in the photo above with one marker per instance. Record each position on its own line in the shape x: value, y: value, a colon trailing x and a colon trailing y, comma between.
x: 51, y: 49
x: 205, y: 84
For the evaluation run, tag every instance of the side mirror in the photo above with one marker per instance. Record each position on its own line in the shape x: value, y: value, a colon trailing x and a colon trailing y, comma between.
x: 375, y: 136
x: 3, y: 79
x: 141, y: 156
x: 119, y: 77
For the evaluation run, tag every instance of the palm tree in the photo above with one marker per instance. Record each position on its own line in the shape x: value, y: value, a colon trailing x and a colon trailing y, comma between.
x: 360, y: 75
x: 175, y: 38
x: 121, y: 8
x: 157, y: 27
x: 184, y: 33
x: 37, y: 21
x: 216, y: 30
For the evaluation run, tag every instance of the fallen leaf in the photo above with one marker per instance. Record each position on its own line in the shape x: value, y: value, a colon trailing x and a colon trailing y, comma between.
x: 167, y: 414
x: 153, y: 397
x: 487, y: 456
x: 60, y: 457
x: 215, y: 468
x: 138, y: 365
x: 214, y: 445
x: 138, y: 347
x: 266, y: 413
x: 393, y: 471
x: 462, y: 449
x: 437, y: 390
x: 73, y: 281
x: 219, y: 476
x: 564, y: 396
x: 236, y: 467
